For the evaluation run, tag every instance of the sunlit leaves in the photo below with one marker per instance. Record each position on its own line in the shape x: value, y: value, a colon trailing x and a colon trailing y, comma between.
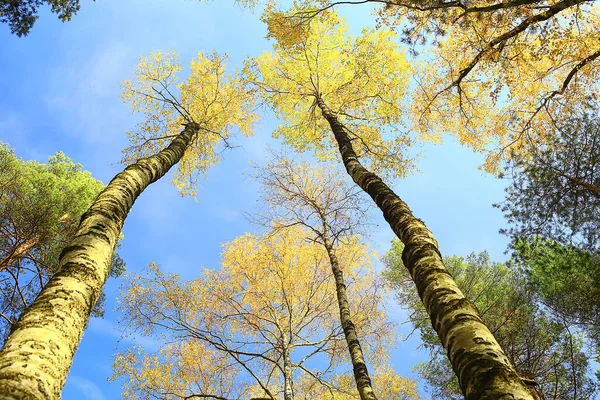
x: 287, y: 263
x: 270, y: 288
x: 362, y: 80
x: 179, y: 369
x: 500, y: 76
x: 218, y: 102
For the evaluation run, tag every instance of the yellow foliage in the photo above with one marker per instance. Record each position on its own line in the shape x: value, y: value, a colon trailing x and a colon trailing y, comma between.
x: 218, y: 102
x: 288, y: 30
x: 494, y: 94
x: 362, y: 80
x: 272, y: 291
x: 285, y: 264
x: 180, y: 369
x: 387, y: 385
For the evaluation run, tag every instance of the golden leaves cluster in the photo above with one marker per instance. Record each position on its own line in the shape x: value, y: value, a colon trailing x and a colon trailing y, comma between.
x: 388, y: 384
x: 217, y: 101
x: 289, y: 278
x: 361, y: 79
x: 268, y: 286
x: 179, y: 369
x: 494, y: 89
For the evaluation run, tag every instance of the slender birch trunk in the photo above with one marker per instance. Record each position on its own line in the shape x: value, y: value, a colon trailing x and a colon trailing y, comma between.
x: 288, y: 393
x: 361, y: 373
x: 482, y: 368
x: 38, y: 353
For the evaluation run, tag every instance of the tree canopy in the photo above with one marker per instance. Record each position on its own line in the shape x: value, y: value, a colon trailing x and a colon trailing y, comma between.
x: 496, y: 86
x: 362, y: 79
x: 217, y: 101
x: 554, y: 191
x: 20, y: 15
x: 565, y: 278
x: 298, y: 309
x: 268, y: 316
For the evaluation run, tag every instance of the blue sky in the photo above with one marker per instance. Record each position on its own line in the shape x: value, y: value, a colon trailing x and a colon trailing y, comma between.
x: 61, y: 91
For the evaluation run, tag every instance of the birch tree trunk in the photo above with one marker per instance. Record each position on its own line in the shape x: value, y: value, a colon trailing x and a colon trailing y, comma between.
x: 483, y: 370
x: 38, y: 353
x: 359, y: 366
x: 288, y: 392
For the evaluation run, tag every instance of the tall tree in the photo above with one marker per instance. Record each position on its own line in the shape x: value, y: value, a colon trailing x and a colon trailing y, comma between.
x: 357, y: 84
x: 501, y: 70
x: 555, y: 189
x: 543, y: 349
x: 40, y: 205
x: 266, y: 322
x: 319, y: 200
x: 38, y: 353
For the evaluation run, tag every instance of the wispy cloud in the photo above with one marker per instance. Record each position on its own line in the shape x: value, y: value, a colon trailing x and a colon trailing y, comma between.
x: 86, y: 93
x: 81, y: 94
x: 89, y: 389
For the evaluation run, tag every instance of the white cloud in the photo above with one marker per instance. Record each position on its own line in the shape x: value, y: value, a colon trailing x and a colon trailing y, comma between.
x: 90, y: 390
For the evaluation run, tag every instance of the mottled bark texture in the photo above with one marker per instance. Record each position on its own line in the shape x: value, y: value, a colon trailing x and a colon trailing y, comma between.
x: 359, y: 367
x: 482, y: 368
x: 288, y: 391
x: 38, y: 353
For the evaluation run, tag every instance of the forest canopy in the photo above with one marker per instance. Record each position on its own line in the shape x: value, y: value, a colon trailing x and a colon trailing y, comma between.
x: 270, y: 152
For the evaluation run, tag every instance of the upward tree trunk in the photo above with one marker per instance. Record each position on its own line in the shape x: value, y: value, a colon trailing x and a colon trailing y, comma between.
x: 482, y: 368
x: 361, y: 373
x: 38, y: 353
x: 288, y: 392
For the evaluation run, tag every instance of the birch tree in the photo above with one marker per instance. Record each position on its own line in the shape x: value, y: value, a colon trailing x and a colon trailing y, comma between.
x: 263, y: 326
x: 333, y: 90
x: 319, y: 200
x: 38, y: 353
